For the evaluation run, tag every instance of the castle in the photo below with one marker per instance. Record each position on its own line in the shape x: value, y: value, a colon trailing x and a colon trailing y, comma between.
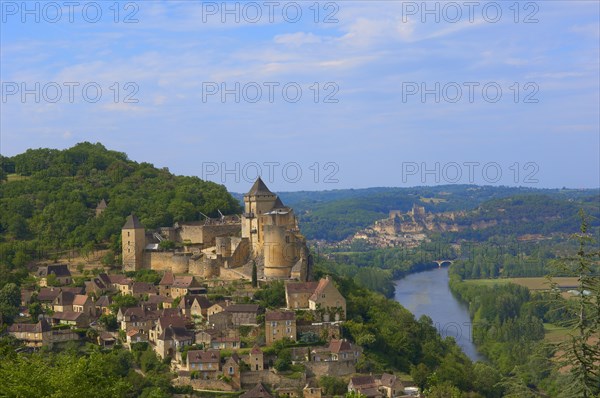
x: 266, y: 234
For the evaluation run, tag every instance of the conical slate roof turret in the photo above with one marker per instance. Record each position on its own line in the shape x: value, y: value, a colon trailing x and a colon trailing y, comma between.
x: 133, y: 223
x: 259, y: 188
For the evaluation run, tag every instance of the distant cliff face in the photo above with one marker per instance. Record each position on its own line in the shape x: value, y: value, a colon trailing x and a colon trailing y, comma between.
x: 411, y: 228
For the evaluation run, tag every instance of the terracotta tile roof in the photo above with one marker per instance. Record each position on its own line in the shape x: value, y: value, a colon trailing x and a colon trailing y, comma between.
x: 103, y: 301
x: 176, y: 333
x: 132, y: 332
x: 41, y: 326
x: 80, y: 299
x: 185, y: 282
x: 301, y: 287
x: 256, y: 350
x: 68, y: 315
x: 155, y: 299
x: 259, y: 391
x: 320, y: 288
x: 253, y: 308
x: 167, y: 279
x: 60, y: 270
x: 359, y: 381
x: 48, y: 294
x: 208, y: 356
x: 119, y: 279
x: 64, y: 298
x: 166, y: 321
x: 280, y: 316
x: 143, y: 288
x: 337, y: 346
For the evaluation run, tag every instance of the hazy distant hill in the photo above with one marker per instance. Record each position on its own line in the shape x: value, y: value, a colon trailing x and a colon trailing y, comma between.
x: 337, y: 214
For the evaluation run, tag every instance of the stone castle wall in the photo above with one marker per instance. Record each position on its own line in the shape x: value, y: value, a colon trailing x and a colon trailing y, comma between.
x: 167, y: 261
x: 206, y: 234
x: 249, y: 379
x: 331, y: 368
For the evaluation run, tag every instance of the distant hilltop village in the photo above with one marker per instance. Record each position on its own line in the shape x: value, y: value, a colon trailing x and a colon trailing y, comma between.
x: 266, y: 234
x: 407, y: 229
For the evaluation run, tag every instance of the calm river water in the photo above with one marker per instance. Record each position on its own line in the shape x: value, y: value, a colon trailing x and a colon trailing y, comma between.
x: 427, y: 293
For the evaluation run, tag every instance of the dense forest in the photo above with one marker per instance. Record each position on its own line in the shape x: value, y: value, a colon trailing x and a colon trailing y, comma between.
x: 48, y: 200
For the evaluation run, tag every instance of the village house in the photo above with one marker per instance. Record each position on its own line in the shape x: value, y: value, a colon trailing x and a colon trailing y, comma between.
x: 220, y: 321
x: 280, y: 324
x: 365, y: 385
x: 135, y: 336
x: 322, y: 297
x: 217, y: 307
x: 138, y: 318
x: 328, y: 298
x: 195, y: 305
x: 103, y: 305
x: 33, y: 335
x: 231, y: 369
x: 160, y: 301
x: 177, y: 286
x: 47, y: 295
x: 205, y: 337
x: 337, y: 350
x: 82, y: 303
x: 163, y: 322
x: 61, y: 273
x: 120, y: 283
x: 71, y: 318
x: 63, y: 302
x: 242, y: 314
x: 98, y: 285
x: 311, y: 392
x: 256, y: 359
x: 298, y: 293
x: 172, y: 339
x: 259, y: 391
x: 143, y: 289
x: 206, y: 363
x: 225, y: 343
x: 106, y: 339
x: 390, y: 386
x: 40, y: 334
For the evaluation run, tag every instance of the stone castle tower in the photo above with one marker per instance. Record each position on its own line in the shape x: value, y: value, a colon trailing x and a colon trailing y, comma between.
x: 133, y: 240
x: 258, y: 201
x: 272, y: 231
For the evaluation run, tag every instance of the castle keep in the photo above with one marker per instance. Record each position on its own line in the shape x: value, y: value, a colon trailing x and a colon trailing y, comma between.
x: 266, y: 233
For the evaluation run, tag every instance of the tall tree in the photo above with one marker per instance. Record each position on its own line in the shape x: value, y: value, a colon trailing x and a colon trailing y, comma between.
x: 580, y: 352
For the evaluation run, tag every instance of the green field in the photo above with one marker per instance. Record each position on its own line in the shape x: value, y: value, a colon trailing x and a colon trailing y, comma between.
x: 554, y: 333
x: 537, y: 283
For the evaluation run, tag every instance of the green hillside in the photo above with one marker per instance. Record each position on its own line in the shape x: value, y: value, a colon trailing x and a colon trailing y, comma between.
x: 48, y: 199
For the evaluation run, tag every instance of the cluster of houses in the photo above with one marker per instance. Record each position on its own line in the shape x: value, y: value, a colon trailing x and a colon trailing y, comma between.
x: 206, y: 340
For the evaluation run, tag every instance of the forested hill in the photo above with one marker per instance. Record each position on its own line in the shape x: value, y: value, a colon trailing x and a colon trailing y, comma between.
x: 48, y: 197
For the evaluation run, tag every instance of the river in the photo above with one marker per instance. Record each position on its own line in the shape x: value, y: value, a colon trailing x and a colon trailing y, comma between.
x: 428, y: 293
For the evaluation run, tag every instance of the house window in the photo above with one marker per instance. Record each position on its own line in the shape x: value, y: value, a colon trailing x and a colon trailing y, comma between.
x: 289, y: 330
x: 127, y: 233
x: 231, y: 370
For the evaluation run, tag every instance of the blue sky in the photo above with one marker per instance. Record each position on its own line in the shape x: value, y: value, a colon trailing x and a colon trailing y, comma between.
x: 371, y: 61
